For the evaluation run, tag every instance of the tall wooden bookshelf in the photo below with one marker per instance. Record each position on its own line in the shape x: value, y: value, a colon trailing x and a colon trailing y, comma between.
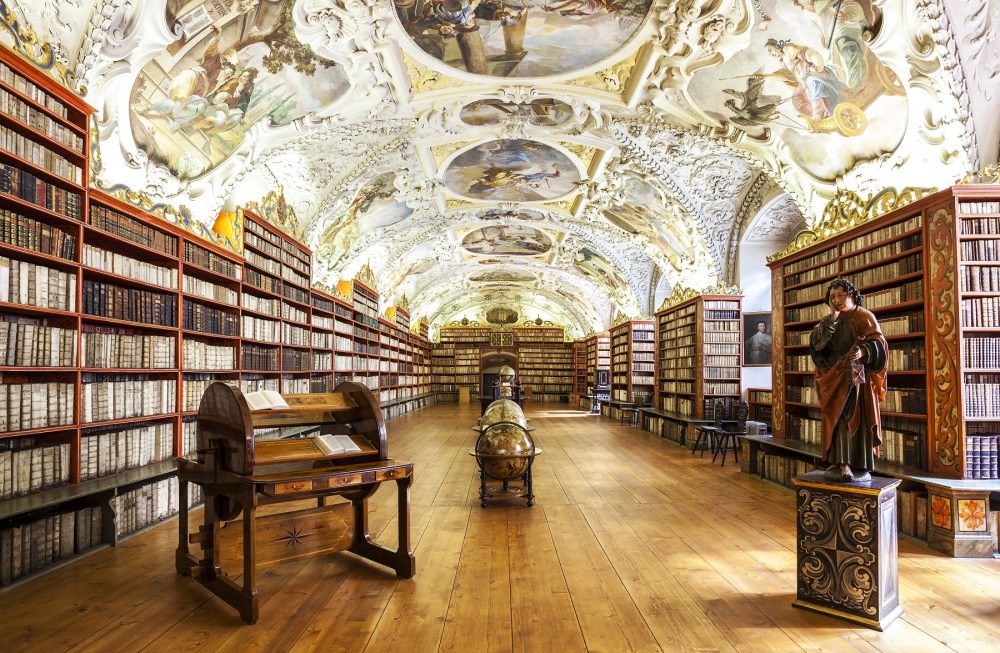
x: 699, y: 353
x: 760, y: 402
x: 633, y: 364
x: 930, y: 272
x: 463, y: 343
x: 579, y: 368
x: 599, y: 360
x: 545, y: 363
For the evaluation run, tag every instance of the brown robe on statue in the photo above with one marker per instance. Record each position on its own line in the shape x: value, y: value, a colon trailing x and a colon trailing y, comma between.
x: 850, y: 392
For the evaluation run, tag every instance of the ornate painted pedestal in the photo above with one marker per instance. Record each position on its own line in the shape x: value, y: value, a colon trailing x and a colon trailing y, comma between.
x: 847, y: 553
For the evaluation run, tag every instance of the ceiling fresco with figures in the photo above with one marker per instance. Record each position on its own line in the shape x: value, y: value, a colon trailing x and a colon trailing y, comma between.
x: 568, y: 161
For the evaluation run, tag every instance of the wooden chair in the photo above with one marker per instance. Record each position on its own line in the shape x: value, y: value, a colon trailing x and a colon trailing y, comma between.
x: 730, y: 437
x: 707, y: 433
x: 631, y: 414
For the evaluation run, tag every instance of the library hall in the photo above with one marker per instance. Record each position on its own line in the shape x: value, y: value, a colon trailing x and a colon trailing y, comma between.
x: 499, y: 326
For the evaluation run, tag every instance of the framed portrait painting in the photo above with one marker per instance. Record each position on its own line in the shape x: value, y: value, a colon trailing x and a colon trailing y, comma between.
x: 757, y: 341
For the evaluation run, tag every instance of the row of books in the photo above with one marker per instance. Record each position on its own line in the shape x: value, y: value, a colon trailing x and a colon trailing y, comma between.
x: 14, y: 142
x: 130, y: 304
x: 199, y: 355
x: 194, y: 387
x: 18, y: 109
x: 678, y: 405
x: 129, y: 228
x: 724, y: 325
x: 721, y: 361
x: 320, y: 322
x: 294, y: 385
x: 292, y: 276
x: 980, y: 250
x: 125, y: 266
x: 907, y: 357
x: 983, y: 206
x: 903, y: 447
x: 905, y: 400
x: 275, y: 251
x: 880, y: 235
x: 29, y: 342
x: 821, y: 272
x: 261, y: 281
x: 259, y: 304
x: 804, y: 428
x: 807, y: 294
x: 296, y: 359
x: 802, y: 394
x: 208, y: 319
x: 33, y: 190
x: 122, y: 396
x: 322, y: 340
x: 26, y: 466
x: 677, y: 386
x: 981, y: 352
x: 981, y: 394
x: 289, y: 312
x: 211, y: 261
x: 295, y: 336
x: 907, y: 292
x: 33, y: 92
x: 256, y: 328
x: 729, y: 335
x: 251, y: 227
x: 717, y: 388
x: 899, y: 325
x: 31, y: 546
x: 150, y: 503
x: 26, y: 283
x: 730, y: 372
x: 900, y: 267
x: 980, y: 226
x: 26, y: 406
x: 884, y: 251
x: 113, y: 347
x: 262, y: 262
x: 301, y: 296
x: 262, y: 357
x: 781, y: 470
x: 115, y: 449
x: 28, y: 233
x: 209, y: 290
x: 722, y: 349
x: 979, y: 278
x: 980, y: 312
x: 982, y: 456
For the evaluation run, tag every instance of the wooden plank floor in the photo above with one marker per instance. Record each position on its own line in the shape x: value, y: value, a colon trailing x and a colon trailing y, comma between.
x: 633, y: 545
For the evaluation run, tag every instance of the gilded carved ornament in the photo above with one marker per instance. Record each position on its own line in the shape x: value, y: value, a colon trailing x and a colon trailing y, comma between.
x: 278, y: 213
x: 988, y: 175
x: 848, y: 210
x: 366, y: 276
x: 681, y: 294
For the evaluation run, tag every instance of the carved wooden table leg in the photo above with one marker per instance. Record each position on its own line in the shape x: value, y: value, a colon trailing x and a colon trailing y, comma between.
x: 251, y: 610
x: 407, y: 565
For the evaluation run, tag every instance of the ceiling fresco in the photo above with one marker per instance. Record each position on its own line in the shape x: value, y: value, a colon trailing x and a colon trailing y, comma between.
x: 537, y: 38
x: 509, y: 241
x: 555, y: 158
x: 512, y: 170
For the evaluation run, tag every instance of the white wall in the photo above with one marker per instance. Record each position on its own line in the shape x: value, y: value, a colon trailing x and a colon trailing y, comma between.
x: 754, y: 277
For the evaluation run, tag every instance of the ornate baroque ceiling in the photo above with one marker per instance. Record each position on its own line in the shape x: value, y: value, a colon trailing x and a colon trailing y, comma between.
x: 564, y: 159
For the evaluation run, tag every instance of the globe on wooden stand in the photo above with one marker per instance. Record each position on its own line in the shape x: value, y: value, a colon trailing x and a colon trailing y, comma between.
x: 505, y: 449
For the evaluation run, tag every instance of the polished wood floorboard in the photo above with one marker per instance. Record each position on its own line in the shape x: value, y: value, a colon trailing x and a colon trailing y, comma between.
x: 633, y: 545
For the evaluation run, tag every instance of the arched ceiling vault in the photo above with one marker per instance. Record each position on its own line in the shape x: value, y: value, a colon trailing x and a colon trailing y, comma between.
x: 561, y: 158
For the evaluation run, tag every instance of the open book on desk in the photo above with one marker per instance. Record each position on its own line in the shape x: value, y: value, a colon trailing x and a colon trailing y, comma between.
x: 334, y: 444
x: 265, y: 400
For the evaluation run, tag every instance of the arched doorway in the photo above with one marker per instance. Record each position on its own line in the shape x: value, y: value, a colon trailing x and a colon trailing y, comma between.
x: 490, y: 362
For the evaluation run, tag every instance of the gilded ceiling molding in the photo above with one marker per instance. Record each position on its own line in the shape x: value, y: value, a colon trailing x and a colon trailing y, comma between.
x: 613, y: 79
x: 46, y: 56
x: 442, y: 151
x: 848, y: 210
x: 367, y: 277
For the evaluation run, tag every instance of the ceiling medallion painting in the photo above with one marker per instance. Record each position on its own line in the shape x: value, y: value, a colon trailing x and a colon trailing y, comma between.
x: 541, y: 113
x: 507, y: 241
x: 537, y: 38
x: 512, y: 170
x: 600, y: 270
x: 642, y: 212
x: 501, y: 315
x: 511, y: 276
x: 526, y: 215
x: 810, y: 76
x: 374, y: 207
x: 193, y: 104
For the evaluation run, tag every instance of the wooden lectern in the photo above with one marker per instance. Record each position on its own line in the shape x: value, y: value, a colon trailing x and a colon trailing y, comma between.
x: 239, y: 474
